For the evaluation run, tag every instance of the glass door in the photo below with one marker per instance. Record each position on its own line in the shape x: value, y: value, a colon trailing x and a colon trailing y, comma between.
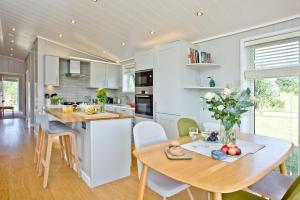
x: 276, y: 113
x: 11, y: 92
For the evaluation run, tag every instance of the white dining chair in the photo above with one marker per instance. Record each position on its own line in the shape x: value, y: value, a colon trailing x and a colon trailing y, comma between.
x: 147, y: 133
x: 273, y: 186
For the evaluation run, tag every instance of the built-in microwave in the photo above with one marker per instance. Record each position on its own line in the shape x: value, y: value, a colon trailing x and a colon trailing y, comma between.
x: 144, y: 78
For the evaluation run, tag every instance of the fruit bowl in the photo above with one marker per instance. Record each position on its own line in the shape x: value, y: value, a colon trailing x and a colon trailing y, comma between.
x: 231, y: 149
x: 211, y: 136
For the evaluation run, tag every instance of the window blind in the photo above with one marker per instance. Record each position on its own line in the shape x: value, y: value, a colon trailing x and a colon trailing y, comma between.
x: 278, y: 55
x: 273, y: 59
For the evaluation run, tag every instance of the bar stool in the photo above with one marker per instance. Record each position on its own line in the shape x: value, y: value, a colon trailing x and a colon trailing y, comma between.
x: 40, y: 135
x: 50, y: 132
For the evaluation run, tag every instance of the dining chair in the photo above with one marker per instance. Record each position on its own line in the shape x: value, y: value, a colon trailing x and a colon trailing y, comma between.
x: 292, y: 193
x: 273, y: 186
x: 183, y: 125
x: 147, y: 133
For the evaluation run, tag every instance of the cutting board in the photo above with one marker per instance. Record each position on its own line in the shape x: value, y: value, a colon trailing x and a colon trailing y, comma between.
x: 105, y: 115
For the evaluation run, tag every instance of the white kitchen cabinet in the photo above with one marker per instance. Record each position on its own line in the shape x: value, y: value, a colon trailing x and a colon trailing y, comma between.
x: 169, y: 123
x: 113, y: 76
x: 51, y: 70
x: 144, y: 60
x: 167, y: 79
x: 103, y: 75
x: 97, y: 75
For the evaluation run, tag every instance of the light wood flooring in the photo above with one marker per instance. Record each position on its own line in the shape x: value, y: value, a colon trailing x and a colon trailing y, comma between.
x: 19, y: 181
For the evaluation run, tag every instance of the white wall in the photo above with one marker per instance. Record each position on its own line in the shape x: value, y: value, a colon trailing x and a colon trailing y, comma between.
x: 225, y: 51
x: 12, y: 66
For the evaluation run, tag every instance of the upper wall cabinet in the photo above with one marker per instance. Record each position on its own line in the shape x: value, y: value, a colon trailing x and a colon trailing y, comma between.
x: 51, y: 70
x: 113, y: 76
x: 144, y: 60
x: 97, y: 75
x: 103, y: 75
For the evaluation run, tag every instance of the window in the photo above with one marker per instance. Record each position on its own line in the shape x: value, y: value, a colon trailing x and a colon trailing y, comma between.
x: 273, y: 73
x: 128, y: 78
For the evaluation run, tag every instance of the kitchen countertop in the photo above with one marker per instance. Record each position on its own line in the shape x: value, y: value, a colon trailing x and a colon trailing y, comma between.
x: 82, y: 117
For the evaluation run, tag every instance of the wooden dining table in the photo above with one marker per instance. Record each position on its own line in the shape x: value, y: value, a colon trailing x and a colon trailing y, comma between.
x: 214, y: 176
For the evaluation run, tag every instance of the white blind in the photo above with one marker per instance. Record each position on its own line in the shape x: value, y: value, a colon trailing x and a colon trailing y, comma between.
x: 274, y: 59
x: 277, y: 55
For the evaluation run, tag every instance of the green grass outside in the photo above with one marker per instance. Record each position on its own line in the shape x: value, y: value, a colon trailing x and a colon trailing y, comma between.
x: 285, y: 128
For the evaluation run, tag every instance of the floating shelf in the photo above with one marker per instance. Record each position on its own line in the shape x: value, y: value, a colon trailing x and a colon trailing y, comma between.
x: 203, y: 65
x: 204, y: 88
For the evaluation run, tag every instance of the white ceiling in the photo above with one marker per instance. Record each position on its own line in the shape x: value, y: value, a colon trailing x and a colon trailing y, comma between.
x: 104, y: 25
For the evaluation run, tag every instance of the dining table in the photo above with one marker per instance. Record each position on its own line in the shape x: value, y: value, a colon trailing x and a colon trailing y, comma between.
x: 215, y: 176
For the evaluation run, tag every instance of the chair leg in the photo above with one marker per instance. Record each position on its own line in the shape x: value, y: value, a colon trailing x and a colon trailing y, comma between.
x: 190, y: 194
x: 67, y: 148
x: 75, y: 152
x: 42, y: 154
x: 37, y: 145
x: 39, y: 149
x: 47, y: 161
x: 62, y: 148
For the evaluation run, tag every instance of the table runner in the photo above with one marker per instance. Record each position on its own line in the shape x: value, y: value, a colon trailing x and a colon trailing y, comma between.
x: 205, y: 148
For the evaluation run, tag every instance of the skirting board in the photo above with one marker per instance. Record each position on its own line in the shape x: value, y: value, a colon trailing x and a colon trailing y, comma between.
x: 86, y: 178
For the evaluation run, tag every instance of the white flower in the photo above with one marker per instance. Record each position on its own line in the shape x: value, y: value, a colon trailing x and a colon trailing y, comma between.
x: 209, y: 96
x: 220, y: 107
x: 227, y: 91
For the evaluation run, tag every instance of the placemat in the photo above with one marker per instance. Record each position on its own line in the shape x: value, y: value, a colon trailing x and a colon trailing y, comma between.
x: 205, y: 148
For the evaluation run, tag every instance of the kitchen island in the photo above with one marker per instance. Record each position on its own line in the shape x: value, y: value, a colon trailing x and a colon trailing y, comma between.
x: 104, y: 144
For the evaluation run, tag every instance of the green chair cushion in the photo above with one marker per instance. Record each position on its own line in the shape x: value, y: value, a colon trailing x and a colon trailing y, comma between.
x: 241, y: 195
x: 184, y: 124
x: 293, y: 192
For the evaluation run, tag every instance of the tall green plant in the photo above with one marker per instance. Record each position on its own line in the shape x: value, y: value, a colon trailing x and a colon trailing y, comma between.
x: 101, y: 94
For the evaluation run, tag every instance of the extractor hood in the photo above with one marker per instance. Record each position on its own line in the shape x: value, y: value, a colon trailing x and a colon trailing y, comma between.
x: 74, y: 70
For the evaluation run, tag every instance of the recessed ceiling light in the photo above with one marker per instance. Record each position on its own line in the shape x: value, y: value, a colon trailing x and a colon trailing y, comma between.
x: 123, y: 44
x: 60, y: 35
x: 199, y: 13
x: 104, y: 51
x: 73, y: 21
x: 152, y: 32
x: 11, y: 49
x: 11, y: 54
x: 12, y: 41
x: 13, y: 29
x: 94, y: 0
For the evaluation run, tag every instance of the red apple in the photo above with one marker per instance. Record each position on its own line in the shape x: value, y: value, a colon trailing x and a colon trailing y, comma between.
x: 232, y: 151
x: 238, y: 151
x: 224, y: 148
x: 230, y: 144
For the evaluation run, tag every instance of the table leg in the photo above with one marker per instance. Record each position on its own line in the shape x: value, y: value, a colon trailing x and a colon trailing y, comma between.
x: 143, y: 182
x: 283, y: 169
x: 215, y: 196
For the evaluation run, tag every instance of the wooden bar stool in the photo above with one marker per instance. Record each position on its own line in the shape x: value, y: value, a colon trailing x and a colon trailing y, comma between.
x: 49, y: 134
x: 40, y: 136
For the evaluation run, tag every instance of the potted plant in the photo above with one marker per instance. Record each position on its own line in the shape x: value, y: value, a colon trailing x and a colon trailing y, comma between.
x: 102, y: 96
x: 228, y: 107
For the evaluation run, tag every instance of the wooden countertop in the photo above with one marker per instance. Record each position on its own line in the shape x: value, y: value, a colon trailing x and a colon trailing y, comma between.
x: 82, y: 117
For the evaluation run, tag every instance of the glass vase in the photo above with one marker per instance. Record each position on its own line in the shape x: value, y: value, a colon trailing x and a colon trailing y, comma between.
x: 228, y: 135
x: 101, y: 107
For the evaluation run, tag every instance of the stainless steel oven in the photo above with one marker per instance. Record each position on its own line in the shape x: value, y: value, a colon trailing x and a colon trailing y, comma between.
x: 144, y: 78
x: 144, y: 102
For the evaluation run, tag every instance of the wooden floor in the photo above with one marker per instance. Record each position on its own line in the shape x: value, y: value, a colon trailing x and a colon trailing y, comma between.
x: 18, y: 179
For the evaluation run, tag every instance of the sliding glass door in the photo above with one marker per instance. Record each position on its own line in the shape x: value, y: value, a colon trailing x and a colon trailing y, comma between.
x: 276, y: 113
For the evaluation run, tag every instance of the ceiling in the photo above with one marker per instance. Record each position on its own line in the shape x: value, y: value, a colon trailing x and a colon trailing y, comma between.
x: 102, y: 27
